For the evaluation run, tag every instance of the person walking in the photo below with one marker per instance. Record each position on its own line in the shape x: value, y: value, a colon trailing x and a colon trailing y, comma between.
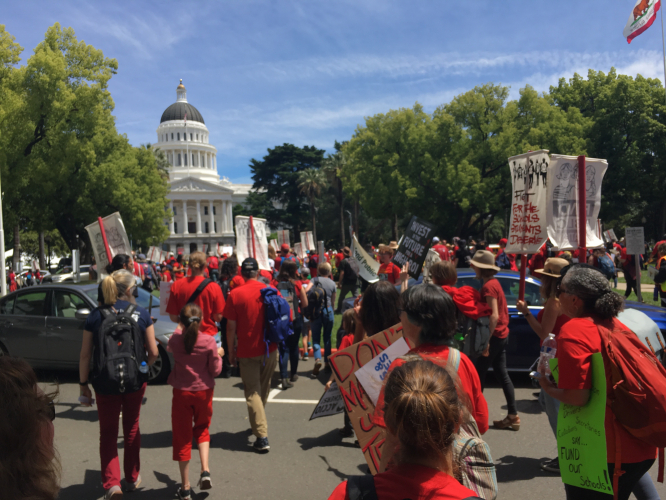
x: 462, y: 256
x: 118, y: 299
x: 197, y: 361
x: 348, y: 280
x: 325, y: 319
x: 245, y: 314
x: 213, y: 266
x: 660, y: 278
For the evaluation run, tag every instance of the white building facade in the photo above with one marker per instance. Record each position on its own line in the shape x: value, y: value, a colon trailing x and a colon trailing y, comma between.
x: 200, y: 201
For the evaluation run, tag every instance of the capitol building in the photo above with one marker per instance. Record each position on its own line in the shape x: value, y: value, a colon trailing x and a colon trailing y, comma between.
x: 200, y: 201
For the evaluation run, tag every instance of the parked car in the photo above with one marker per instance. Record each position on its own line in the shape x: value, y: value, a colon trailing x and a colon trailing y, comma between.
x: 44, y: 325
x: 66, y: 274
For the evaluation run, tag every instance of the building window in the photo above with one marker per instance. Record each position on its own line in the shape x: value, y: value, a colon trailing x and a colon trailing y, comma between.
x: 175, y: 211
x: 197, y: 137
x: 179, y: 159
x: 178, y: 135
x: 186, y: 160
x: 215, y: 224
x: 172, y: 136
x: 175, y: 228
x: 206, y: 228
x: 214, y: 210
x: 205, y: 210
x: 191, y: 135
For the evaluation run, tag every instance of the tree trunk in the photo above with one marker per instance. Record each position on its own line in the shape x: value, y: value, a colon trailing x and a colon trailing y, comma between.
x: 314, y: 223
x: 395, y: 227
x: 42, y: 261
x: 662, y: 222
x: 17, y: 244
x: 341, y: 203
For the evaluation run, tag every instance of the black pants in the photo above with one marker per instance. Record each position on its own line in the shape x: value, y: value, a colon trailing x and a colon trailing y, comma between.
x: 497, y: 358
x: 631, y: 285
x: 631, y: 476
x: 289, y: 352
x: 226, y: 366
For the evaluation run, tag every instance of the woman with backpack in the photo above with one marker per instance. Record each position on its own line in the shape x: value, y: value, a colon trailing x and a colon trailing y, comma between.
x: 586, y: 297
x: 325, y: 319
x: 115, y: 396
x: 198, y: 361
x: 423, y: 413
x: 289, y: 285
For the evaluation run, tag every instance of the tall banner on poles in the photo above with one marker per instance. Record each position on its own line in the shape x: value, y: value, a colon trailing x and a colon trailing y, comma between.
x: 641, y: 18
x: 298, y: 249
x: 563, y: 200
x: 529, y: 194
x: 116, y: 237
x: 307, y: 241
x: 367, y: 266
x: 274, y: 244
x: 283, y: 237
x: 244, y: 245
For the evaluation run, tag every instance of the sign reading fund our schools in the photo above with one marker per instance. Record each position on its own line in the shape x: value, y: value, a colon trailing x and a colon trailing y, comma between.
x: 529, y: 194
x: 563, y: 200
x: 414, y: 245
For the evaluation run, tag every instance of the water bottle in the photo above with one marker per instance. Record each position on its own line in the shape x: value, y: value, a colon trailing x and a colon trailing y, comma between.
x: 548, y: 351
x: 144, y: 367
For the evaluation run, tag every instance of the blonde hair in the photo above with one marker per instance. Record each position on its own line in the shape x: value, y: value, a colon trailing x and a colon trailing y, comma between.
x: 324, y: 269
x: 117, y: 286
x: 271, y: 252
x: 197, y: 261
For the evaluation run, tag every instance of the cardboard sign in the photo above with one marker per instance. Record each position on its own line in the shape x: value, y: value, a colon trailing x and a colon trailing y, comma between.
x: 367, y: 266
x: 635, y: 240
x: 307, y: 241
x: 358, y: 405
x: 116, y: 237
x: 372, y: 374
x: 581, y: 435
x: 298, y: 249
x: 331, y: 403
x: 529, y: 176
x: 414, y: 245
x: 165, y: 293
x: 244, y: 246
x: 283, y: 237
x: 274, y: 244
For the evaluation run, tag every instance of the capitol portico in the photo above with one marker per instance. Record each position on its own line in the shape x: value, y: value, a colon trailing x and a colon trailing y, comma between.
x: 200, y: 201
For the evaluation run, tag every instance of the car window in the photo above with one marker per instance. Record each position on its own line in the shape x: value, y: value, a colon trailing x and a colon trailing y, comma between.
x: 7, y: 305
x: 144, y: 299
x: 93, y: 294
x: 30, y: 304
x: 65, y: 270
x: 469, y: 281
x: 511, y: 286
x: 66, y: 303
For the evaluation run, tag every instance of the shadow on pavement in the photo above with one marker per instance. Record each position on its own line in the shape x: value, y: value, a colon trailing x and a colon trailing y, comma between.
x: 76, y: 412
x: 91, y: 487
x: 335, y: 471
x: 155, y: 440
x: 232, y: 441
x: 331, y: 438
x: 530, y: 406
x: 511, y: 468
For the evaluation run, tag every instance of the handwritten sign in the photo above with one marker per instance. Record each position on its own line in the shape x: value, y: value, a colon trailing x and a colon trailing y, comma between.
x: 635, y: 240
x: 372, y: 374
x: 414, y: 245
x: 358, y: 405
x: 581, y: 435
x: 283, y: 237
x: 245, y: 247
x: 529, y: 176
x: 116, y: 237
x: 367, y: 266
x: 331, y: 403
x: 307, y: 241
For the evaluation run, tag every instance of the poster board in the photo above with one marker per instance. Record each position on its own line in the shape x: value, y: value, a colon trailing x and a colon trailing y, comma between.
x: 307, y: 241
x: 331, y: 403
x: 226, y: 249
x: 563, y: 200
x: 414, y: 246
x: 116, y: 237
x: 298, y: 250
x: 358, y: 405
x: 274, y: 244
x: 165, y: 293
x: 283, y: 237
x: 635, y: 240
x: 529, y: 195
x: 367, y: 266
x: 373, y: 373
x: 244, y: 246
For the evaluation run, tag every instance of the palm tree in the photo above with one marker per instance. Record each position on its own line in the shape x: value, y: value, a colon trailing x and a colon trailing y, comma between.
x: 311, y: 182
x: 333, y: 166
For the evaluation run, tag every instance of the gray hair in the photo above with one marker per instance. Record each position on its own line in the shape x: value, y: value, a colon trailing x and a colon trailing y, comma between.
x: 593, y: 288
x: 249, y: 275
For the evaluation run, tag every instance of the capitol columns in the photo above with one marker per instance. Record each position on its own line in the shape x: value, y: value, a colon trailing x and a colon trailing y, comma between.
x: 212, y: 218
x: 185, y: 228
x: 171, y: 217
x: 198, y: 217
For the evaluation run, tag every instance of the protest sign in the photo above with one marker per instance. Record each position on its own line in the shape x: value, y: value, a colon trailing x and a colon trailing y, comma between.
x: 581, y: 435
x: 165, y: 293
x: 367, y: 266
x: 283, y: 237
x: 331, y: 403
x: 116, y: 237
x: 245, y: 247
x: 372, y: 374
x: 298, y: 249
x: 563, y: 200
x: 274, y: 244
x: 321, y: 251
x: 358, y: 405
x: 227, y: 249
x: 431, y: 259
x: 307, y: 241
x: 529, y: 194
x: 414, y: 245
x: 635, y: 240
x: 610, y: 235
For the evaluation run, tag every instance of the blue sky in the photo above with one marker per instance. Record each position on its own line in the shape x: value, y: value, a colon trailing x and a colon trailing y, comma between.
x: 263, y: 73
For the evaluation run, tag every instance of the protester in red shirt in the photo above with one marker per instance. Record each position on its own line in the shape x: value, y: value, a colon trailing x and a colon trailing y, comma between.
x: 441, y: 249
x: 245, y: 314
x: 587, y: 298
x: 210, y: 300
x: 338, y: 257
x: 388, y: 271
x: 166, y: 275
x: 213, y: 266
x: 483, y: 264
x: 284, y: 255
x: 537, y: 261
x: 422, y: 415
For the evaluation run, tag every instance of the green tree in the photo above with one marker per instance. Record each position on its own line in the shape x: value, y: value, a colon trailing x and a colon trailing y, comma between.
x: 311, y: 182
x: 333, y: 166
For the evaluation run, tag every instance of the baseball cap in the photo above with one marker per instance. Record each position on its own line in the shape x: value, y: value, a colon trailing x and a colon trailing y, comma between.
x: 250, y: 264
x: 284, y: 246
x: 435, y: 239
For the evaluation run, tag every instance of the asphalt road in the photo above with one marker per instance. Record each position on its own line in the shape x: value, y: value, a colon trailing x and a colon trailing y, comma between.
x: 307, y: 459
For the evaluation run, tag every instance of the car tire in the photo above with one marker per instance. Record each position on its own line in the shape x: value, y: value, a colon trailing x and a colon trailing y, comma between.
x: 159, y: 371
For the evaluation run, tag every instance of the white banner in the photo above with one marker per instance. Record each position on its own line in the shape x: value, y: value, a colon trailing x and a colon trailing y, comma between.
x: 116, y: 237
x: 275, y: 245
x: 307, y: 241
x: 298, y: 249
x: 372, y: 374
x: 641, y: 18
x: 283, y: 237
x: 367, y: 266
x: 165, y: 293
x: 244, y: 246
x: 529, y: 195
x: 229, y: 250
x: 563, y: 200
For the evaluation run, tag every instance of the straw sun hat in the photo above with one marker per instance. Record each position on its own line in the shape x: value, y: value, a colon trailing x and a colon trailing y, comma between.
x: 553, y: 266
x: 484, y: 259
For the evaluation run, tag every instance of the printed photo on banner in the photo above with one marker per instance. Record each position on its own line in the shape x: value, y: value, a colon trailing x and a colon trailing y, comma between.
x: 244, y: 245
x: 116, y: 237
x: 414, y: 245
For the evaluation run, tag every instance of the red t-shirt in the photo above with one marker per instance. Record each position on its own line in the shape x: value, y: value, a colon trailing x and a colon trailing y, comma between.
x: 469, y: 380
x: 391, y: 272
x: 493, y: 289
x: 416, y: 482
x: 442, y: 251
x: 245, y: 307
x: 138, y: 270
x: 347, y: 341
x: 211, y: 301
x: 166, y: 276
x: 338, y: 258
x: 212, y: 262
x: 559, y: 323
x: 577, y: 341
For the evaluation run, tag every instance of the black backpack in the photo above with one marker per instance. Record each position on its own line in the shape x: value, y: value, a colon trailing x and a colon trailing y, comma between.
x: 475, y: 334
x: 119, y: 353
x: 316, y: 301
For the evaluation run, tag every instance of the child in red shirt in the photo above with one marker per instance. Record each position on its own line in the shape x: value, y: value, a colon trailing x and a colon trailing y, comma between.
x: 388, y: 271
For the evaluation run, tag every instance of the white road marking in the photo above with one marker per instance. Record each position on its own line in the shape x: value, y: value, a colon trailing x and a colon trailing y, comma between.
x: 273, y: 393
x: 274, y: 400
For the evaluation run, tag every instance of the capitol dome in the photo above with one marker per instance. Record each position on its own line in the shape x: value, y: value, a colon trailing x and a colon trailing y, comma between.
x: 181, y: 107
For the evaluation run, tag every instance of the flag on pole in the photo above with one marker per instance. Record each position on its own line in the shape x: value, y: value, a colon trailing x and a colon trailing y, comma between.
x: 641, y: 18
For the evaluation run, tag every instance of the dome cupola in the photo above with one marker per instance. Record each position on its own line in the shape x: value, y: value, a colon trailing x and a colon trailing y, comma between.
x: 181, y: 107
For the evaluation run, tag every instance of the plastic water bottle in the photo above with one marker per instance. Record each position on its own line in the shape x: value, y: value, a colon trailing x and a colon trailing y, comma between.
x: 144, y: 367
x: 548, y: 351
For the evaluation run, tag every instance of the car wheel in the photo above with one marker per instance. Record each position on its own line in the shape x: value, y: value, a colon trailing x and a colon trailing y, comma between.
x: 160, y: 369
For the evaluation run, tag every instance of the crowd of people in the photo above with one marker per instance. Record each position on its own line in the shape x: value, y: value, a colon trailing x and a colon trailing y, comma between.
x: 217, y: 306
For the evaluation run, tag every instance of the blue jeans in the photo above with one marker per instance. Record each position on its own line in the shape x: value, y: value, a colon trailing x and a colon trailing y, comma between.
x: 289, y: 350
x: 551, y: 407
x: 325, y: 320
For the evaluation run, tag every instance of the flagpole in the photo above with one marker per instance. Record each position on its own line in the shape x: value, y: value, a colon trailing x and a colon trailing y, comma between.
x: 187, y: 148
x: 663, y: 46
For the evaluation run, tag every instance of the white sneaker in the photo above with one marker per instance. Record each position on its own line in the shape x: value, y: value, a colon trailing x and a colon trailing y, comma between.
x: 130, y: 487
x: 113, y: 493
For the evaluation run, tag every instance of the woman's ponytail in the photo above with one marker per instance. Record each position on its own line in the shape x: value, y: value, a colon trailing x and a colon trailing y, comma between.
x: 109, y: 290
x: 190, y: 318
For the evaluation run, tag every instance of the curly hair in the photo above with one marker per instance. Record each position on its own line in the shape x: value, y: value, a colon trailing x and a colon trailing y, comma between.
x: 229, y: 267
x: 593, y: 288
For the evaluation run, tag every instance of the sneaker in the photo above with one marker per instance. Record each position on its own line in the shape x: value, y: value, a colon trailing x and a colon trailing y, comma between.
x: 305, y: 357
x: 286, y: 384
x: 294, y: 377
x: 327, y: 367
x: 205, y: 482
x: 113, y: 493
x: 346, y: 432
x: 184, y: 494
x: 130, y: 487
x: 261, y: 445
x: 551, y: 465
x: 317, y: 368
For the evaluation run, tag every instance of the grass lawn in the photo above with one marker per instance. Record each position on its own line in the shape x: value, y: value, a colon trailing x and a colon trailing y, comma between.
x: 644, y: 278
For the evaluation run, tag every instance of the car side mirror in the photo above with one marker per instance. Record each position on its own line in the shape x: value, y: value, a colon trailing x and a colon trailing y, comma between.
x: 82, y: 313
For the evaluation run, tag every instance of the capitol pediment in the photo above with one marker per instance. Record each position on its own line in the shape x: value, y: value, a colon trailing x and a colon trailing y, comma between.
x: 192, y: 184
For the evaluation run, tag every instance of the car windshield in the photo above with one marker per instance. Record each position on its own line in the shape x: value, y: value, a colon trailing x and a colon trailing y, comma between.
x: 64, y: 270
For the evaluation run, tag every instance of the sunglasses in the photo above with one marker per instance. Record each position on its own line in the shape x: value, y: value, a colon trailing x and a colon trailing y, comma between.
x: 560, y: 290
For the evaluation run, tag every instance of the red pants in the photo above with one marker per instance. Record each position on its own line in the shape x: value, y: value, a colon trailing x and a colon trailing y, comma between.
x: 186, y: 407
x: 108, y: 410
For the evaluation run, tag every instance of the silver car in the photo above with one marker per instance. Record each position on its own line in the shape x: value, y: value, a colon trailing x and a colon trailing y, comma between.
x: 44, y: 325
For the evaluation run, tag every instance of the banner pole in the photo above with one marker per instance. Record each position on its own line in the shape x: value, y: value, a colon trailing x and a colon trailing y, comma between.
x: 106, y: 243
x: 582, y: 209
x: 523, y: 273
x: 254, y: 250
